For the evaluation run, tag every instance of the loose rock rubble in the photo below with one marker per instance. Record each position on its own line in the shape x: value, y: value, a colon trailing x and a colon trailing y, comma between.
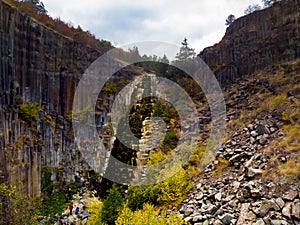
x: 241, y: 195
x: 79, y: 201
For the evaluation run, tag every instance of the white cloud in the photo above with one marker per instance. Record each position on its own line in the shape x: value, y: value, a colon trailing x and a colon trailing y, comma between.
x: 123, y: 21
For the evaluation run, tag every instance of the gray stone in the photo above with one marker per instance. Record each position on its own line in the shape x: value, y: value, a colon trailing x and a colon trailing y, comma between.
x: 188, y: 211
x: 273, y: 205
x: 276, y: 222
x: 254, y: 133
x: 279, y: 202
x: 236, y: 184
x: 209, y: 208
x: 217, y: 222
x: 199, y: 196
x: 273, y: 129
x: 197, y: 218
x: 262, y: 129
x: 294, y: 92
x: 240, y: 196
x: 218, y: 196
x: 226, y: 218
x: 259, y: 222
x: 262, y: 210
x: 249, y: 162
x: 243, y: 214
x: 252, y: 140
x: 253, y: 172
x: 286, y: 211
x: 85, y: 214
x: 290, y: 195
x: 236, y: 158
x: 262, y: 140
x: 255, y: 193
x: 296, y: 210
x: 188, y: 219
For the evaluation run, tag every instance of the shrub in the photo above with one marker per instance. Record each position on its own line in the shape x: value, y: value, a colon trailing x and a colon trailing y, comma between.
x: 156, y: 157
x: 168, y: 192
x: 147, y: 215
x: 174, y: 188
x: 29, y: 112
x: 110, y: 87
x: 94, y: 207
x: 16, y: 208
x: 47, y: 183
x: 53, y: 204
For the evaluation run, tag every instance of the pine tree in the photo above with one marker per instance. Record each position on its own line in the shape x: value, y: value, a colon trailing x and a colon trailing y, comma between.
x: 111, y: 206
x: 252, y: 8
x: 268, y: 2
x: 185, y: 52
x: 230, y: 20
x: 39, y: 6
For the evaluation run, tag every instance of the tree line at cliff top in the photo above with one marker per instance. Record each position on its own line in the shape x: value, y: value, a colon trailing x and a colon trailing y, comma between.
x: 36, y: 9
x: 250, y: 9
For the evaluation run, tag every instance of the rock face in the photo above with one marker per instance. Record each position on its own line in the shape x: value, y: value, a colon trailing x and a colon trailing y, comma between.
x: 254, y: 41
x: 37, y: 65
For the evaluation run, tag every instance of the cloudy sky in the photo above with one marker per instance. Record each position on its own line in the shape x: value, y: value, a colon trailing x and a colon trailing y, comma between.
x: 202, y: 22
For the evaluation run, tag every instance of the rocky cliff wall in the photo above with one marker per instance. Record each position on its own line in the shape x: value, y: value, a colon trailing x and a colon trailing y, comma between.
x: 37, y: 65
x: 264, y: 37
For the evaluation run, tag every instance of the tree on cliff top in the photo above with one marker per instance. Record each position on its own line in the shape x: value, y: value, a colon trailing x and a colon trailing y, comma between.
x: 268, y: 2
x: 39, y: 6
x: 230, y: 20
x: 252, y: 8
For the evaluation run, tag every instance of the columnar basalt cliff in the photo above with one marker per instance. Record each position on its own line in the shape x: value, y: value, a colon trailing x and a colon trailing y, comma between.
x: 264, y: 37
x: 37, y: 65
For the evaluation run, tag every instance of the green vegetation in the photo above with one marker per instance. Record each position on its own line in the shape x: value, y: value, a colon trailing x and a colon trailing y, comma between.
x: 166, y: 193
x: 47, y: 183
x: 110, y: 87
x: 29, y: 112
x: 80, y: 115
x: 219, y: 67
x: 19, y: 143
x: 221, y: 166
x: 94, y: 207
x: 146, y: 216
x: 53, y: 204
x: 16, y: 208
x: 111, y: 206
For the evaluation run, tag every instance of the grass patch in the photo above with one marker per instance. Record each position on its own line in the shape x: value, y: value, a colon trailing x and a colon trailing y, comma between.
x: 53, y: 204
x: 288, y: 146
x: 221, y: 166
